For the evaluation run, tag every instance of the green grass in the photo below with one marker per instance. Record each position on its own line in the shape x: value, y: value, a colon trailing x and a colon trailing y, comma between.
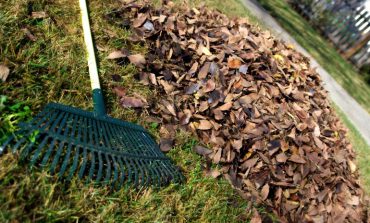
x: 35, y: 196
x: 362, y: 150
x: 326, y: 55
x: 54, y: 69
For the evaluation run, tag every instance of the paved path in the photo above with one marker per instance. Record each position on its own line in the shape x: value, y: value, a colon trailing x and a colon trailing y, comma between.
x: 355, y: 113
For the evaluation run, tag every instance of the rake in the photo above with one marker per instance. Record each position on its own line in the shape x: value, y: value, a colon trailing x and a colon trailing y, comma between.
x: 91, y: 145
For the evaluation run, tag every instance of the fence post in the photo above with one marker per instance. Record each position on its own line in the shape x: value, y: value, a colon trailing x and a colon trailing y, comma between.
x: 357, y: 46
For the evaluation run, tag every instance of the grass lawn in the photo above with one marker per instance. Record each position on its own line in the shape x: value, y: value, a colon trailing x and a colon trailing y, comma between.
x: 51, y: 67
x: 326, y: 55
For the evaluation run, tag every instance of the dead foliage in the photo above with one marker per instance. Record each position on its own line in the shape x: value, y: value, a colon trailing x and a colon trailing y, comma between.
x: 257, y: 105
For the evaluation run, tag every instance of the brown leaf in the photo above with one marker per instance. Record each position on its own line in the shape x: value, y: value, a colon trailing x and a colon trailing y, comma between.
x: 185, y: 117
x: 140, y: 20
x: 204, y: 71
x: 29, y: 34
x: 297, y: 159
x: 248, y: 99
x: 131, y: 102
x: 212, y: 173
x: 225, y: 107
x: 234, y: 63
x: 265, y: 192
x: 116, y: 54
x: 204, y: 125
x: 4, y: 72
x: 39, y: 15
x: 256, y: 218
x: 281, y: 158
x: 217, y: 156
x: 137, y: 59
x: 193, y: 68
x: 120, y: 91
x: 166, y: 144
x: 218, y: 114
x: 153, y: 79
x: 237, y: 144
x: 203, y: 50
x: 202, y: 150
x: 210, y: 86
x: 170, y: 107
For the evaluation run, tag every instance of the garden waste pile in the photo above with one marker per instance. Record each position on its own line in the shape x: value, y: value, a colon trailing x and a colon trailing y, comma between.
x: 254, y: 103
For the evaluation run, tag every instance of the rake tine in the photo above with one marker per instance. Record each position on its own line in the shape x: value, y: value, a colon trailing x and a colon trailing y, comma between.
x: 92, y: 167
x: 149, y: 144
x: 129, y: 168
x: 105, y: 136
x: 26, y: 151
x: 66, y: 160
x: 123, y: 139
x: 157, y: 173
x: 163, y: 172
x: 75, y: 164
x: 108, y: 170
x: 136, y: 175
x: 100, y: 171
x: 148, y: 172
x: 56, y: 158
x: 143, y: 179
x: 84, y: 163
x: 50, y: 149
x: 91, y: 132
x: 2, y: 148
x: 116, y: 170
x: 39, y: 149
x: 62, y: 145
x: 122, y: 167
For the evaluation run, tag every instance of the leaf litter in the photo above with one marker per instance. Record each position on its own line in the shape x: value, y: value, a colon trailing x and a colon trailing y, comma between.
x: 255, y: 102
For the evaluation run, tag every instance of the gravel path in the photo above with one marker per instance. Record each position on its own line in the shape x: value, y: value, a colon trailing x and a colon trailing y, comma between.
x: 355, y: 113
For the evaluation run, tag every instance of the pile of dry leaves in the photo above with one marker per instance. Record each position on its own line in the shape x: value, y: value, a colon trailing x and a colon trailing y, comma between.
x: 253, y: 101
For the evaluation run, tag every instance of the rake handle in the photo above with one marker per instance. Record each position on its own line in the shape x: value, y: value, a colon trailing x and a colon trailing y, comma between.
x: 98, y: 100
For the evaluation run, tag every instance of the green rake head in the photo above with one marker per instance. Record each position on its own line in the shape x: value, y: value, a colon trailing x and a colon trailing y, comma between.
x: 70, y: 142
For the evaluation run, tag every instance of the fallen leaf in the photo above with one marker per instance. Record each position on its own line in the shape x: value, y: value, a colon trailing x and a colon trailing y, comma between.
x: 265, y: 192
x: 137, y: 59
x: 166, y: 144
x: 225, y: 107
x: 200, y: 150
x: 243, y: 69
x: 203, y: 50
x: 4, y: 72
x: 204, y: 71
x: 116, y: 55
x: 140, y: 20
x: 256, y: 218
x: 212, y: 173
x: 170, y: 107
x: 39, y: 15
x: 297, y: 159
x: 234, y: 63
x: 116, y: 78
x: 131, y: 102
x: 210, y: 86
x: 120, y: 91
x: 29, y: 34
x: 204, y: 125
x: 281, y: 158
